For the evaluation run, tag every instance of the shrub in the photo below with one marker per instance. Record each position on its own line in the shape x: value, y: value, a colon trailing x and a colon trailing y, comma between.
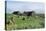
x: 42, y: 24
x: 25, y: 27
x: 7, y: 22
x: 23, y: 18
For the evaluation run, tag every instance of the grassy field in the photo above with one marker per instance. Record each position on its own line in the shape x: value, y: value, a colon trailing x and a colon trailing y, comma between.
x: 23, y: 22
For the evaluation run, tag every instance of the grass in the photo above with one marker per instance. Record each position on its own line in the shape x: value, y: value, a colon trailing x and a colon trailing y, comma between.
x: 28, y: 23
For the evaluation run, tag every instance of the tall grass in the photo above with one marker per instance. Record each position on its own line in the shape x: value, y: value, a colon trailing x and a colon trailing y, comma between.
x: 21, y: 22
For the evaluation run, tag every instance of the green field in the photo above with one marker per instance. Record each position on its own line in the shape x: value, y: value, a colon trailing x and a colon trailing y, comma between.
x: 24, y: 22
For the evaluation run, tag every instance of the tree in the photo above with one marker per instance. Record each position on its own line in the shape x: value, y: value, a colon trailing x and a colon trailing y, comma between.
x: 15, y: 12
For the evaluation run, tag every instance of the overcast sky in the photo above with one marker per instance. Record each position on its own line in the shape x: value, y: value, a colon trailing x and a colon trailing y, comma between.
x: 25, y: 6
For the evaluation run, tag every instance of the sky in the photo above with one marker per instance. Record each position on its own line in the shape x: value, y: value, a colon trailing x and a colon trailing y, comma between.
x: 25, y: 6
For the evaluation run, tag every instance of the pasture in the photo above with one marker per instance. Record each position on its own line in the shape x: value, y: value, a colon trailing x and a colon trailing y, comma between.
x: 15, y: 22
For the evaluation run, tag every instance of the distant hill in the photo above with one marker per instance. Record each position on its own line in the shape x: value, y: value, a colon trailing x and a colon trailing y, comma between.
x: 36, y: 11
